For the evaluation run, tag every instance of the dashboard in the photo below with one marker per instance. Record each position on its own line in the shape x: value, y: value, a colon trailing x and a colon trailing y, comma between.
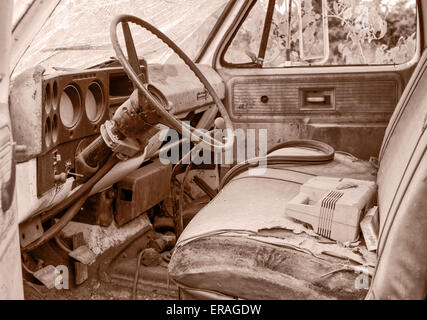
x: 55, y: 116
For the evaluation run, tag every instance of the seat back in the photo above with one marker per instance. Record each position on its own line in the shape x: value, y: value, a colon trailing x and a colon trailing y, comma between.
x: 402, y: 197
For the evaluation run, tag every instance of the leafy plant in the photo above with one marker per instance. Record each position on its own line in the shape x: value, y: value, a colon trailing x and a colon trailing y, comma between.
x: 360, y: 32
x: 364, y: 36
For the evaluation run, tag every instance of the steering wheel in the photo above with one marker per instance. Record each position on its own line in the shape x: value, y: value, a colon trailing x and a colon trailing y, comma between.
x: 132, y: 67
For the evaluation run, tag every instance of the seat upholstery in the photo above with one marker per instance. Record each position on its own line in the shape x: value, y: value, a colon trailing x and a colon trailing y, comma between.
x: 242, y: 245
x: 402, y: 188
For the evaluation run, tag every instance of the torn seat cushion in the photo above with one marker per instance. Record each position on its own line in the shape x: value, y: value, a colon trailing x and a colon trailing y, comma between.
x: 242, y: 245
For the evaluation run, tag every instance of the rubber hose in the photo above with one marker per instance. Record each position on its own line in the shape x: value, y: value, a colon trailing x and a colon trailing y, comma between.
x: 78, y: 198
x: 327, y: 155
x: 85, y: 188
x: 312, y: 144
x: 65, y: 219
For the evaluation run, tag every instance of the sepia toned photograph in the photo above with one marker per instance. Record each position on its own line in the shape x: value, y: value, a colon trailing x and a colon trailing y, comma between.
x: 229, y: 150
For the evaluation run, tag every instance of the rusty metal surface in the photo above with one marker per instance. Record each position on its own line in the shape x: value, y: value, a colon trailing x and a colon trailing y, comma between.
x: 141, y: 190
x: 26, y: 112
x: 81, y: 270
x: 98, y: 209
x: 83, y: 255
x: 47, y: 276
x: 30, y: 231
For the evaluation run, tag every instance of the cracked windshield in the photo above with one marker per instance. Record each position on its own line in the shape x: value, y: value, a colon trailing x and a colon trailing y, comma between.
x: 322, y: 32
x: 82, y: 28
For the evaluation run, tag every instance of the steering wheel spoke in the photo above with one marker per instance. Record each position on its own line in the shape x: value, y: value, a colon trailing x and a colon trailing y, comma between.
x: 131, y: 50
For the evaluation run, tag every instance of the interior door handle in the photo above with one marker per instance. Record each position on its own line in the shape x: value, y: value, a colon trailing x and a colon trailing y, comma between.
x: 319, y: 99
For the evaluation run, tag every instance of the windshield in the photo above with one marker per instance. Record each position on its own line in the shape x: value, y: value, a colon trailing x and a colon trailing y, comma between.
x: 76, y: 36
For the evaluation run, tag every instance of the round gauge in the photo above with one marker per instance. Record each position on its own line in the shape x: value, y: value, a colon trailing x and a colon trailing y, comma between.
x: 70, y: 106
x: 94, y: 103
x: 48, y: 98
x: 48, y: 132
x: 55, y: 129
x: 55, y: 95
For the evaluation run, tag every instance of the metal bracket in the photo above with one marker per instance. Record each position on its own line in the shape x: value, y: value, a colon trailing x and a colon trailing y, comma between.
x: 30, y: 231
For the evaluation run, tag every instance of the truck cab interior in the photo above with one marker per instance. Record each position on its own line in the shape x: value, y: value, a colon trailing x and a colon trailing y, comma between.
x: 271, y: 149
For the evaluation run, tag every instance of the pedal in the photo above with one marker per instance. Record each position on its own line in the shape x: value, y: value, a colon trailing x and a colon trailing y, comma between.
x: 83, y: 255
x: 47, y: 276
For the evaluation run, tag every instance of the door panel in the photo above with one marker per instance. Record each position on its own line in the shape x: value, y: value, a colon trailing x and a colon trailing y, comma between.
x: 335, y: 96
x: 350, y: 111
x: 345, y: 98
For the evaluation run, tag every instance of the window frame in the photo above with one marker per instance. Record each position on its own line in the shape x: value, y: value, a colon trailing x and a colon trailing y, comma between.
x: 214, y: 31
x: 219, y: 57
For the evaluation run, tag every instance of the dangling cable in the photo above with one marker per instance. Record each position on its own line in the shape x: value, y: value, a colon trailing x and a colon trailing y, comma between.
x: 327, y: 155
x: 74, y: 209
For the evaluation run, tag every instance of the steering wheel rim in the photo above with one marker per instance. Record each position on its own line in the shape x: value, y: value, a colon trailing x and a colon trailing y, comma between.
x: 185, y: 129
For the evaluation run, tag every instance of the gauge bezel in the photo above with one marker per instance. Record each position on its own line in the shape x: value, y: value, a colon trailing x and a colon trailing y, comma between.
x: 73, y: 92
x: 96, y: 89
x: 48, y: 98
x: 48, y: 132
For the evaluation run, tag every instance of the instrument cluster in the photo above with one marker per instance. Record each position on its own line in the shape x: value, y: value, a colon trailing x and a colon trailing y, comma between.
x: 56, y: 116
x: 74, y: 107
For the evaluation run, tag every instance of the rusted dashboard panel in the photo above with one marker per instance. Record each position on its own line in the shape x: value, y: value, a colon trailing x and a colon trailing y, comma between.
x: 54, y: 116
x: 183, y: 91
x: 74, y: 107
x: 262, y: 98
x: 182, y: 88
